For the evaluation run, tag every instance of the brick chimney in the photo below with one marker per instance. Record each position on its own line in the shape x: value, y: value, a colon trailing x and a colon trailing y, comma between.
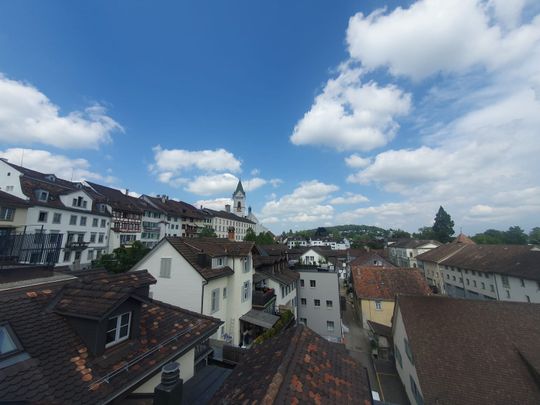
x: 169, y: 392
x: 231, y: 232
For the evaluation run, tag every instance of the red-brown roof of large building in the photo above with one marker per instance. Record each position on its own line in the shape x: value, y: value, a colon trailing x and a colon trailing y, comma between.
x: 384, y: 283
x: 473, y: 351
x: 296, y: 367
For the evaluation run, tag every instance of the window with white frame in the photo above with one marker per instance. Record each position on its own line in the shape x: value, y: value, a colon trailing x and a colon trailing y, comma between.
x: 246, y: 266
x: 378, y: 305
x: 73, y: 220
x: 57, y: 218
x: 303, y: 301
x: 165, y: 267
x: 42, y: 216
x: 330, y: 326
x: 215, y: 300
x: 6, y: 214
x: 329, y: 304
x: 118, y: 328
x: 246, y: 291
x: 317, y: 303
x: 312, y: 283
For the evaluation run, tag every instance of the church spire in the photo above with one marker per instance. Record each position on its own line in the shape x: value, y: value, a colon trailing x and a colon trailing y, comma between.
x: 239, y: 188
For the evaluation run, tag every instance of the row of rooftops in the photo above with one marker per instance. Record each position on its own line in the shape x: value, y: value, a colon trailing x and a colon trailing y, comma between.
x: 33, y: 182
x: 521, y: 261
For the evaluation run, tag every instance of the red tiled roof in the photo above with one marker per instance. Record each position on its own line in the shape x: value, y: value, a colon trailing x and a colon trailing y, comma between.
x: 62, y: 370
x: 296, y: 367
x: 384, y: 283
x: 472, y: 352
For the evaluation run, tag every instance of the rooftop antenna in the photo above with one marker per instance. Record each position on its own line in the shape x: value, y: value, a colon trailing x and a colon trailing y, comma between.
x: 72, y: 174
x: 22, y: 158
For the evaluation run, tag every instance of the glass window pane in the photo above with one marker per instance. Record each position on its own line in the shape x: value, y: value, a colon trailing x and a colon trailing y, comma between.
x: 124, y: 330
x: 125, y: 319
x: 111, y: 335
x: 6, y: 342
x: 111, y: 324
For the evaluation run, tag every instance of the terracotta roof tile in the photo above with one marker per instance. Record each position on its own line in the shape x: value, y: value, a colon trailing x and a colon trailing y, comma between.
x: 384, y: 283
x: 299, y: 367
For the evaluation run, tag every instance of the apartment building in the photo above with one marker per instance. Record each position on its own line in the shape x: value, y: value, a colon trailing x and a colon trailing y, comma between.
x: 486, y: 272
x: 57, y: 212
x: 403, y: 252
x: 207, y: 275
x: 318, y: 302
x: 227, y: 224
x: 460, y: 351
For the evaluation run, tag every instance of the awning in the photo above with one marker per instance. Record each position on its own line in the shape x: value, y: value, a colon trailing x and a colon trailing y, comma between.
x: 260, y: 318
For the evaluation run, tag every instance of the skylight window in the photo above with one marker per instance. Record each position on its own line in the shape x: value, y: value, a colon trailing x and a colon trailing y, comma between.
x: 8, y: 342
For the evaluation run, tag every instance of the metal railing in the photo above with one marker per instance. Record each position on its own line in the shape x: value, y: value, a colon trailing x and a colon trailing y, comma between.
x: 35, y: 248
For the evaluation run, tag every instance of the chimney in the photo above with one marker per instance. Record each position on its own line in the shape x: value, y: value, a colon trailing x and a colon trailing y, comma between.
x: 230, y: 235
x: 169, y: 391
x: 249, y: 210
x: 228, y: 207
x: 127, y: 191
x: 164, y: 198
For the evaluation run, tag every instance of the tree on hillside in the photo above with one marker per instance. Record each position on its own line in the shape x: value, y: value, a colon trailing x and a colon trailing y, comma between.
x: 398, y: 233
x: 123, y: 258
x: 207, y: 232
x: 264, y: 238
x: 534, y: 236
x: 443, y: 228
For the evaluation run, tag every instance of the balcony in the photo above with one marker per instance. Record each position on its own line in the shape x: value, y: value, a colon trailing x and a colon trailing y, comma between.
x: 263, y: 298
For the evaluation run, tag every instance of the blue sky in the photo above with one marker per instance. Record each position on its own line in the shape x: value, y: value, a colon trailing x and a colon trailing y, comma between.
x: 330, y: 112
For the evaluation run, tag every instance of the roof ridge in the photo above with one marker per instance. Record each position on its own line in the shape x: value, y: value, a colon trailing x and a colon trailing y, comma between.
x: 275, y: 385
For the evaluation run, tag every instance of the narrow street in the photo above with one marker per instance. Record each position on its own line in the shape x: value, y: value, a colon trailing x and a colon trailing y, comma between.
x: 383, y: 377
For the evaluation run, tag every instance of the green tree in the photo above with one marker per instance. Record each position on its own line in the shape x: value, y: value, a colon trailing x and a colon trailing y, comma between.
x: 426, y: 232
x: 443, y: 228
x: 398, y: 233
x: 207, y: 232
x: 250, y: 235
x: 123, y: 258
x: 515, y: 236
x: 534, y: 236
x: 489, y: 237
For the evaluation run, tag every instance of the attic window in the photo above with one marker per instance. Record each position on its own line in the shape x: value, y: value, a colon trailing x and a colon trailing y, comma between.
x: 118, y: 329
x: 51, y: 177
x: 42, y: 195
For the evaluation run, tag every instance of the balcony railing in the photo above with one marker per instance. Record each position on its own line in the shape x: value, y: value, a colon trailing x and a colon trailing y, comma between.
x: 262, y: 298
x: 76, y: 245
x: 36, y: 248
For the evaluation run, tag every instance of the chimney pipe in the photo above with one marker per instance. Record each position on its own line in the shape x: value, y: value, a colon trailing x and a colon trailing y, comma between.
x: 127, y: 191
x: 228, y: 207
x: 169, y: 392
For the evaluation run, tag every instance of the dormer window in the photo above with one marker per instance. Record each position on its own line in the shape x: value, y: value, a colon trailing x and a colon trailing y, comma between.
x: 42, y: 195
x: 79, y: 202
x: 118, y: 328
x: 51, y: 177
x: 8, y: 342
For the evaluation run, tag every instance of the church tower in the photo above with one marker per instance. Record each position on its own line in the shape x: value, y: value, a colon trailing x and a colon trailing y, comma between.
x: 239, y: 200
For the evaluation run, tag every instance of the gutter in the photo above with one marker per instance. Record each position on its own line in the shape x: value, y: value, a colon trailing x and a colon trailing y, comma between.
x: 204, y: 283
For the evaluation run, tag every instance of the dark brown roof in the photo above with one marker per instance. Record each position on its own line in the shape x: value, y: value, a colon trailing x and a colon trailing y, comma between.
x: 440, y: 253
x: 96, y: 295
x: 62, y: 370
x: 513, y: 260
x: 191, y: 248
x: 365, y: 258
x: 380, y: 329
x: 470, y: 351
x: 462, y: 238
x: 226, y: 215
x: 384, y: 283
x: 412, y: 243
x: 175, y: 208
x: 118, y: 200
x: 296, y: 367
x: 276, y: 269
x: 8, y: 200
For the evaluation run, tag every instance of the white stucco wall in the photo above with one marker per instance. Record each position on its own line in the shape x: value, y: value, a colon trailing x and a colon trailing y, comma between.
x: 187, y: 370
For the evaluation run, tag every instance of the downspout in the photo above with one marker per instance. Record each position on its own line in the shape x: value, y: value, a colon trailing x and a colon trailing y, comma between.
x: 205, y: 282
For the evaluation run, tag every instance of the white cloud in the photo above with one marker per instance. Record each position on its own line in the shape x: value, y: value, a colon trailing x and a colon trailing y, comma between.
x: 27, y: 116
x: 440, y: 36
x: 275, y: 182
x: 255, y: 172
x: 350, y: 115
x: 349, y: 198
x: 357, y: 162
x: 214, y: 204
x: 304, y: 204
x: 59, y: 165
x: 175, y: 161
x: 221, y: 183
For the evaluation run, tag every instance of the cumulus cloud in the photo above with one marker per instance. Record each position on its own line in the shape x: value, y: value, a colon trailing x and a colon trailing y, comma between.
x: 356, y: 161
x: 221, y: 183
x: 214, y: 204
x: 433, y: 36
x: 28, y: 116
x: 349, y: 198
x: 349, y: 114
x: 59, y: 165
x: 305, y: 204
